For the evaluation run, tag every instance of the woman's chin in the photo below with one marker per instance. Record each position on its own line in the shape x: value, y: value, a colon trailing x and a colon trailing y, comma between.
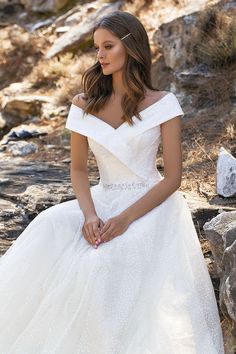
x: 106, y: 72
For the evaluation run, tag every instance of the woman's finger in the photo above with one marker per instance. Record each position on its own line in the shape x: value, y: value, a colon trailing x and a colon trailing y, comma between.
x: 91, y: 234
x: 107, y: 234
x: 96, y: 233
x: 101, y: 224
x: 105, y: 227
x: 86, y: 234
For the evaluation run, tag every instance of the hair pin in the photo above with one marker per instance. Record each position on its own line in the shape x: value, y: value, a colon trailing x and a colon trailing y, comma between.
x: 125, y: 36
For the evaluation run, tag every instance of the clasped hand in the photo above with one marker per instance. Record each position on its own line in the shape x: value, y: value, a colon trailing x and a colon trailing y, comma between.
x: 95, y: 231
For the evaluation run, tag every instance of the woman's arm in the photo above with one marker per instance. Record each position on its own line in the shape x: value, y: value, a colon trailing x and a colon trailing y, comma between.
x: 172, y: 158
x: 80, y: 182
x: 79, y: 173
x: 79, y: 170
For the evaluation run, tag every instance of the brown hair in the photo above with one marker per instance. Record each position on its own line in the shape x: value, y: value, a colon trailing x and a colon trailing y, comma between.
x: 97, y: 87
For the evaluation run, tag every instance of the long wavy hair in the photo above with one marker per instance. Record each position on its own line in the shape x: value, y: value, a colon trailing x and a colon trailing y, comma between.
x: 97, y: 87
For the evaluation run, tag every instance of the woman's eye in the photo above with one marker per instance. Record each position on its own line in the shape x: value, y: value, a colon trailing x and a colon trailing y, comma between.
x: 107, y: 47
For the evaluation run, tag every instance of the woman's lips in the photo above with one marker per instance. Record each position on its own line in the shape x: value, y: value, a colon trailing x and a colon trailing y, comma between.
x: 104, y: 65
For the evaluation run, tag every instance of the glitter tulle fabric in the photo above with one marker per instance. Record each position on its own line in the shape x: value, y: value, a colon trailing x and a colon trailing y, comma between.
x: 147, y: 291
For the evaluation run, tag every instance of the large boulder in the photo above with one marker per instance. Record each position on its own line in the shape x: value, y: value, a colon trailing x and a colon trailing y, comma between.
x: 226, y: 174
x: 221, y: 233
x: 44, y: 5
x: 25, y: 106
x: 177, y: 39
x: 81, y: 32
x: 19, y: 108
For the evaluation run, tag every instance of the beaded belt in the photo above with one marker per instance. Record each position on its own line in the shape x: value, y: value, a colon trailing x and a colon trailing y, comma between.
x: 125, y: 185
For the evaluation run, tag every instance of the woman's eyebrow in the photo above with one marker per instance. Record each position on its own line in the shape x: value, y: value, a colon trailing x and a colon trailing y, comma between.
x: 105, y: 42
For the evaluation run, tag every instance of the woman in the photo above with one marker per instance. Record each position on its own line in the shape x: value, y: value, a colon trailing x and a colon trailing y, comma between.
x: 119, y: 269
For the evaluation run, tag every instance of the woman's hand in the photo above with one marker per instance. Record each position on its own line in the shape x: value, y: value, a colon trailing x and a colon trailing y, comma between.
x: 113, y: 227
x: 91, y: 229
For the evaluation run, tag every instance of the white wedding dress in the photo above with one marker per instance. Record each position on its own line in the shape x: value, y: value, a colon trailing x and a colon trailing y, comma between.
x: 147, y: 291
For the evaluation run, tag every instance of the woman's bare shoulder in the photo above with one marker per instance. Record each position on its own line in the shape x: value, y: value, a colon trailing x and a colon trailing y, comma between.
x: 79, y: 100
x: 158, y: 94
x: 152, y: 96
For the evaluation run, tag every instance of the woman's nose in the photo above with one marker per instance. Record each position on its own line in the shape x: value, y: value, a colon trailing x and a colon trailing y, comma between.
x: 100, y: 54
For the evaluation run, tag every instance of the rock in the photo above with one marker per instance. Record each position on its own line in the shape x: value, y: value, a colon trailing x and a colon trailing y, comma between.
x: 174, y: 38
x: 3, y: 3
x: 39, y: 24
x: 226, y: 174
x: 2, y: 122
x: 16, y: 88
x: 82, y: 32
x: 194, y: 76
x: 221, y: 232
x: 19, y: 109
x: 202, y: 210
x: 39, y: 197
x: 28, y: 188
x: 77, y: 13
x: 9, y: 9
x: 50, y: 111
x: 12, y: 219
x: 6, y: 206
x: 216, y: 231
x: 25, y: 106
x: 25, y: 131
x: 22, y: 148
x: 44, y: 5
x: 171, y: 39
x: 228, y: 296
x: 179, y: 42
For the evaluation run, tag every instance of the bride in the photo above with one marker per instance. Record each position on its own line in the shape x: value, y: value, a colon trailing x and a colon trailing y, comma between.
x: 119, y: 269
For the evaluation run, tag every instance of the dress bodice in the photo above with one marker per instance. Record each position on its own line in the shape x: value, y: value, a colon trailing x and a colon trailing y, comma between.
x: 126, y: 154
x: 114, y: 171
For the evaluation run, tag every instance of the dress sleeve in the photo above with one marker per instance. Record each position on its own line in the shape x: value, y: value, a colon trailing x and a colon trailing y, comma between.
x: 178, y: 109
x: 165, y: 109
x: 171, y: 108
x: 75, y: 120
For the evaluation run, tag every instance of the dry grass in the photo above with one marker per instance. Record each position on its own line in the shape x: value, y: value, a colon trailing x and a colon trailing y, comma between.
x: 202, y: 137
x: 66, y: 89
x: 47, y: 73
x: 230, y: 132
x: 61, y: 76
x: 200, y: 154
x: 215, y: 40
x: 17, y: 54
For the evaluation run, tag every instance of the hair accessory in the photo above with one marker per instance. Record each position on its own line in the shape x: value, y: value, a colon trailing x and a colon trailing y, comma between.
x: 125, y: 36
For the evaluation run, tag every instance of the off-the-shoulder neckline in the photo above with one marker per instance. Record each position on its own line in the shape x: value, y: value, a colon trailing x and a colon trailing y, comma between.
x: 140, y: 112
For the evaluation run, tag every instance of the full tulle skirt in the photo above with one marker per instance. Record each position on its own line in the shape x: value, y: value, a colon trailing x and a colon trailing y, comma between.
x: 147, y: 291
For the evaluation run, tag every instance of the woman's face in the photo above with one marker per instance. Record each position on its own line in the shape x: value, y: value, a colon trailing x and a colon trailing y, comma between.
x: 109, y: 50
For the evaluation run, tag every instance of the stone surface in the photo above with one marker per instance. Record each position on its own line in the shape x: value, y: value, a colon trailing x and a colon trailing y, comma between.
x: 44, y: 5
x: 81, y: 32
x: 25, y: 131
x: 226, y: 174
x: 175, y: 37
x: 221, y: 232
x: 216, y: 231
x: 25, y: 106
x: 22, y: 148
x: 26, y: 188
